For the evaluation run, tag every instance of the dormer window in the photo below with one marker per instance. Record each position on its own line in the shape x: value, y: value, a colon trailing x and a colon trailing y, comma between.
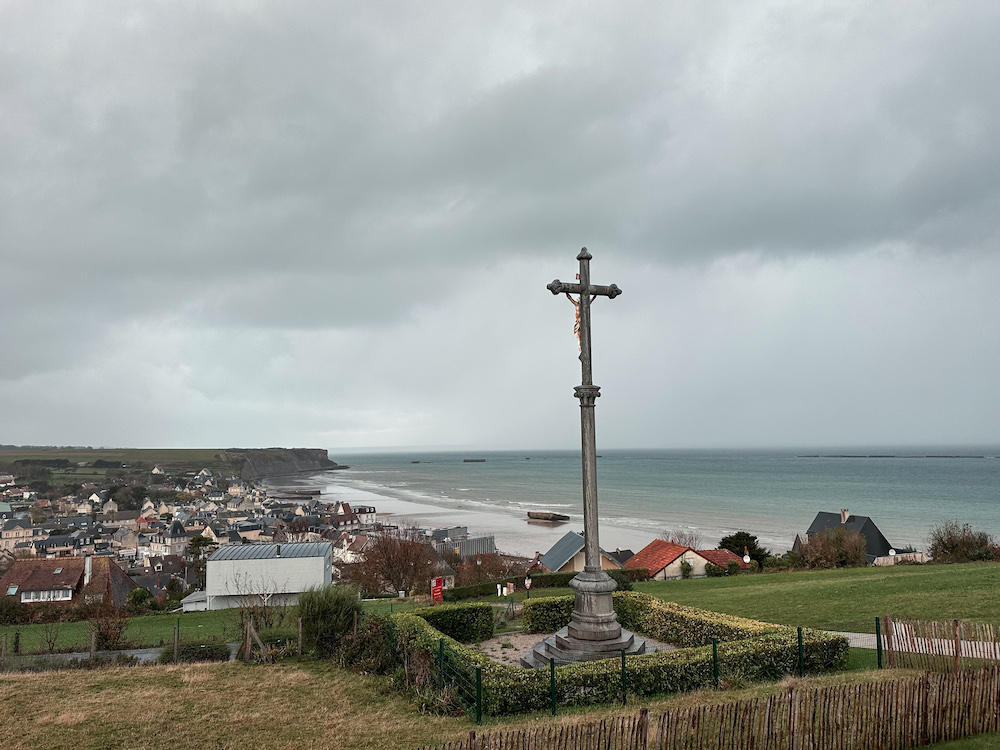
x: 11, y: 590
x: 57, y: 571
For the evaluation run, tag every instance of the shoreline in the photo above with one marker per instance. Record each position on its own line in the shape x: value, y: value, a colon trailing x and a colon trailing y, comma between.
x: 513, y: 535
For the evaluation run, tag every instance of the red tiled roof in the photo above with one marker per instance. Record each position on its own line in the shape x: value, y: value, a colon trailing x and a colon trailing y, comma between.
x: 656, y: 555
x: 722, y: 557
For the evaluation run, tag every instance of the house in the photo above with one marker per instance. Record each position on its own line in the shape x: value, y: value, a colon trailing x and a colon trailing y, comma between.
x: 664, y: 560
x: 567, y: 556
x: 276, y: 573
x: 876, y: 545
x: 721, y: 558
x: 172, y: 541
x: 18, y: 530
x: 75, y: 580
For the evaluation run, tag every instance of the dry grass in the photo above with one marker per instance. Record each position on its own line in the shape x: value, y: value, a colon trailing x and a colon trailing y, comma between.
x: 221, y: 706
x: 214, y: 706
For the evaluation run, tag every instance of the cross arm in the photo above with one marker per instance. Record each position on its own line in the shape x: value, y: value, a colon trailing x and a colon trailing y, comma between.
x: 594, y: 290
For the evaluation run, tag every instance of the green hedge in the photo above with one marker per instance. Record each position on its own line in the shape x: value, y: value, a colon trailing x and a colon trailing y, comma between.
x: 750, y: 650
x: 546, y: 614
x: 539, y: 581
x: 466, y: 623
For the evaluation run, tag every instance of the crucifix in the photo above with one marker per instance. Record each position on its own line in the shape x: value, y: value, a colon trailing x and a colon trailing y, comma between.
x: 588, y: 393
x: 593, y: 612
x: 593, y: 631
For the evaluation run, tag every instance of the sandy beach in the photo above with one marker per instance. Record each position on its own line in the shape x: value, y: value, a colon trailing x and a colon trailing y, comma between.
x: 513, y: 534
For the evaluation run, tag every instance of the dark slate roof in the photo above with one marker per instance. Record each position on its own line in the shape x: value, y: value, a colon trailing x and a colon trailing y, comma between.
x: 876, y: 544
x: 270, y: 551
x: 562, y: 551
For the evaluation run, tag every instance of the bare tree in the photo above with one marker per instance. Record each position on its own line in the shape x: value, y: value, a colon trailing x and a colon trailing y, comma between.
x: 395, y: 561
x: 683, y: 537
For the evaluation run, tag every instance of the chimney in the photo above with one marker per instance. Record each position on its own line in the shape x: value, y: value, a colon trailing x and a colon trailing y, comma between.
x: 844, y: 515
x: 88, y: 563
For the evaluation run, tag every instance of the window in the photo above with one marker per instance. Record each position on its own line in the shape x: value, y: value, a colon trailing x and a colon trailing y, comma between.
x: 57, y: 571
x: 11, y: 590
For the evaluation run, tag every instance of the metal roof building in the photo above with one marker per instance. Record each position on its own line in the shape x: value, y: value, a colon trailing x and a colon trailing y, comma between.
x: 275, y: 574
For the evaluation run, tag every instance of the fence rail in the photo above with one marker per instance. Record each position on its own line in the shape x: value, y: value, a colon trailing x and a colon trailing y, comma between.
x: 894, y: 715
x: 939, y: 646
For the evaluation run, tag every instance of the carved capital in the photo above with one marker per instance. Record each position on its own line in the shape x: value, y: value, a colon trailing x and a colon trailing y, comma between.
x: 588, y: 394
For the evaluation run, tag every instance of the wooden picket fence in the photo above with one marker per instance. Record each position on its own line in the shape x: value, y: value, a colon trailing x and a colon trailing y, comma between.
x: 891, y: 715
x: 939, y: 646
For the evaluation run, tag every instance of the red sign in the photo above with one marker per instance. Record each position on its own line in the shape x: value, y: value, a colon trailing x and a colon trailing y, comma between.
x: 437, y: 589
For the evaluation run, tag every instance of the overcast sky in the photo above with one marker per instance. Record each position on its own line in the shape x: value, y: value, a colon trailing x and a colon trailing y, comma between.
x: 328, y: 224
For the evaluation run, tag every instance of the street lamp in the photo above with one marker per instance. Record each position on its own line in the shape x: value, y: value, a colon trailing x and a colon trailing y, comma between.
x: 527, y: 583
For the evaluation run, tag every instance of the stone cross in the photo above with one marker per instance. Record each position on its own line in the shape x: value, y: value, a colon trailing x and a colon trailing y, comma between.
x: 588, y: 393
x: 593, y: 631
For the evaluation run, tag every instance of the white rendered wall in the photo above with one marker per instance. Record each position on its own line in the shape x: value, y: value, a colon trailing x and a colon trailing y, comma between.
x: 231, y: 579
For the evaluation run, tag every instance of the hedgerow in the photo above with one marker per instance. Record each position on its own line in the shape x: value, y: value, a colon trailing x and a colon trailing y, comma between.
x: 466, y: 623
x: 539, y: 581
x: 748, y: 649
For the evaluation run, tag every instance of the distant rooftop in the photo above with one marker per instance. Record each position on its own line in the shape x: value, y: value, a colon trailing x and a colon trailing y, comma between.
x: 270, y: 551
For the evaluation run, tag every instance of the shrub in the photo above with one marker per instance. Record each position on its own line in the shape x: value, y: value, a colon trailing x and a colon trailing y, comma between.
x: 839, y: 548
x: 733, y: 568
x: 193, y: 652
x: 466, y: 623
x: 327, y: 616
x: 139, y: 601
x: 686, y: 569
x: 547, y: 614
x: 714, y: 571
x: 742, y: 540
x: 12, y: 612
x: 623, y: 581
x: 950, y: 542
x: 373, y: 649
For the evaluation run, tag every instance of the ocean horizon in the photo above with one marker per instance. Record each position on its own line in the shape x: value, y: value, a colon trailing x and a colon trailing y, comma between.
x: 774, y: 494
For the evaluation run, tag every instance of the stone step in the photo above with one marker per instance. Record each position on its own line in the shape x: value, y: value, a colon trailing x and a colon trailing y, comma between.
x: 568, y: 650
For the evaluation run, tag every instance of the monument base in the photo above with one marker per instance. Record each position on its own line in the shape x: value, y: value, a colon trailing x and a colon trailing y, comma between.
x: 593, y: 632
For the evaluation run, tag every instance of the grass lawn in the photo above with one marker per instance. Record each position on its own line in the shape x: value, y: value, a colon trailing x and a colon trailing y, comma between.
x: 847, y: 599
x: 152, y: 630
x: 282, y: 706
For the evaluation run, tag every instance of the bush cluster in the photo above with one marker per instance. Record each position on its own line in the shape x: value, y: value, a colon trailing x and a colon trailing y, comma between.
x: 951, y: 542
x: 373, y: 649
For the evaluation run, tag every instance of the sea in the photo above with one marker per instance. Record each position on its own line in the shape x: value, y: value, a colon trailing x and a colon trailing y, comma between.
x: 773, y: 494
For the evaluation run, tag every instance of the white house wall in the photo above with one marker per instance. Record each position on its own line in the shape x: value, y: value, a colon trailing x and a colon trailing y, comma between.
x: 226, y: 581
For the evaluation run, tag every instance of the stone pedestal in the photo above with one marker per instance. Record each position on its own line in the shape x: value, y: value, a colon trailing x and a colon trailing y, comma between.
x: 593, y: 632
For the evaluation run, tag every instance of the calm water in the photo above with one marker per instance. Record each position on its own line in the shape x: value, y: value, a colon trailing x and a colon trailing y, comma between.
x: 772, y: 494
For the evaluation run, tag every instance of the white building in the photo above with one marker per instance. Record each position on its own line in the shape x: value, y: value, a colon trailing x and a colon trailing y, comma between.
x: 271, y: 573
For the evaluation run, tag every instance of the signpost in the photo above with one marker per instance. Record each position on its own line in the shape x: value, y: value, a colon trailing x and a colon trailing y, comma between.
x: 437, y: 589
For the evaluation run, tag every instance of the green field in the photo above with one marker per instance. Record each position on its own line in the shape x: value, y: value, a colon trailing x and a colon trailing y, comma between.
x: 850, y: 599
x: 150, y: 631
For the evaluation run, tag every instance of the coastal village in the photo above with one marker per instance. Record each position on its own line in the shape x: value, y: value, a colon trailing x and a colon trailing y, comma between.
x: 184, y: 525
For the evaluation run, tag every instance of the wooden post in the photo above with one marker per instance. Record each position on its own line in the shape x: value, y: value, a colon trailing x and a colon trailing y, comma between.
x: 176, y: 638
x: 246, y: 644
x: 644, y: 729
x: 958, y: 645
x: 300, y: 639
x: 3, y: 650
x: 93, y: 644
x: 888, y: 641
x: 355, y: 623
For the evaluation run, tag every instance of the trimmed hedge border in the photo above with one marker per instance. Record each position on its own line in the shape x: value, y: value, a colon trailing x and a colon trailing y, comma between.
x: 748, y: 649
x: 540, y: 581
x: 465, y: 623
